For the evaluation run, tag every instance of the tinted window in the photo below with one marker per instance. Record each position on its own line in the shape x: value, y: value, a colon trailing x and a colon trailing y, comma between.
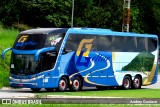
x: 152, y: 44
x: 29, y: 42
x: 74, y: 40
x: 24, y: 65
x: 113, y: 43
x: 54, y: 40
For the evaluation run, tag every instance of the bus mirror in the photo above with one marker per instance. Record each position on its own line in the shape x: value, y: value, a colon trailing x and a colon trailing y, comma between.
x: 43, y: 50
x: 3, y: 53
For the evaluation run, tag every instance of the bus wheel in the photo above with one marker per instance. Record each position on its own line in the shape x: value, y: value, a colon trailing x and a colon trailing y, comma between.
x: 76, y: 84
x: 62, y: 85
x: 126, y: 83
x: 49, y: 89
x: 136, y: 83
x: 35, y: 89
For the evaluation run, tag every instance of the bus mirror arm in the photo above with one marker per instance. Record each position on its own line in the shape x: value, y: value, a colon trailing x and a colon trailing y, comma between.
x: 3, y: 53
x: 43, y: 50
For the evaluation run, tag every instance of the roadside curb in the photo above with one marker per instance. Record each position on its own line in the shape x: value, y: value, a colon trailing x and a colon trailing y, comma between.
x: 79, y: 97
x: 9, y: 88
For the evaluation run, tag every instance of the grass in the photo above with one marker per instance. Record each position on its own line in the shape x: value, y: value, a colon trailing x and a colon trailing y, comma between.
x: 141, y: 93
x: 7, y: 38
x: 79, y: 105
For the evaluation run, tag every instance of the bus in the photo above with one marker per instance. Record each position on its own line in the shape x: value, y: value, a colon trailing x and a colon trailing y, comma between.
x: 71, y: 58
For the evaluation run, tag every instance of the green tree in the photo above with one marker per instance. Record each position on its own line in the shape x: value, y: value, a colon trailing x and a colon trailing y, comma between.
x: 9, y: 12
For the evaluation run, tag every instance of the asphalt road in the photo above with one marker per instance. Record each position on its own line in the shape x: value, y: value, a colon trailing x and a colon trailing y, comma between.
x: 27, y: 93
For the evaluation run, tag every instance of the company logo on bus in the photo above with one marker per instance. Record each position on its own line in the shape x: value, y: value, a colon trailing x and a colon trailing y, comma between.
x: 87, y: 43
x: 80, y: 53
x: 22, y: 41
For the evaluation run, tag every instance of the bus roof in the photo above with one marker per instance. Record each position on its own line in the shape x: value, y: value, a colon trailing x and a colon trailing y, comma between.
x: 99, y: 31
x: 45, y: 31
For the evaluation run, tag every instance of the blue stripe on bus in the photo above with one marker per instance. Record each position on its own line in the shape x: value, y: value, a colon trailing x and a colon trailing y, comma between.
x: 108, y: 32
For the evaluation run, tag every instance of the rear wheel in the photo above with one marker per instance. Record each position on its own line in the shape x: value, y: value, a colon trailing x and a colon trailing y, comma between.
x: 76, y: 84
x: 126, y: 83
x: 136, y: 84
x: 63, y: 84
x: 35, y: 89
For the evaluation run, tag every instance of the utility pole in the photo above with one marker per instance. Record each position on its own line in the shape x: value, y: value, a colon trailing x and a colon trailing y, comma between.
x: 72, y: 13
x: 126, y: 15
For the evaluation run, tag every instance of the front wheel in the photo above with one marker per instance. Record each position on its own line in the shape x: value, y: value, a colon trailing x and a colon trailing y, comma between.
x: 63, y: 84
x: 76, y: 84
x: 126, y: 83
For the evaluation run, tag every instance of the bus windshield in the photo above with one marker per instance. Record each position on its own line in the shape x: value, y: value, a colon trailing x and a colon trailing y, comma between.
x: 24, y: 65
x: 38, y: 41
x: 29, y: 41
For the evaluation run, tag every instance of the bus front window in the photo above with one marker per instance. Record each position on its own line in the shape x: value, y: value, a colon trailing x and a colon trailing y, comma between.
x: 24, y: 65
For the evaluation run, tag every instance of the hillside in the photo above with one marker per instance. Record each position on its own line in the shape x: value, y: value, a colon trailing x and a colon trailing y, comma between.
x: 7, y: 38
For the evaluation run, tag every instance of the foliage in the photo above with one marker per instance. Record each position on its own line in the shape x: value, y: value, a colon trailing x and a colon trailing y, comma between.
x: 7, y: 38
x: 145, y: 14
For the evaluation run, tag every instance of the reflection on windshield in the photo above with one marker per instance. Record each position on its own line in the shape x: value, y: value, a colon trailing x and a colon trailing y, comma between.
x: 24, y: 65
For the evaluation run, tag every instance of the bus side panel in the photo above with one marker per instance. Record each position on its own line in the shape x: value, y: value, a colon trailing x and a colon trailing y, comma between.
x: 67, y: 66
x: 135, y: 63
x: 97, y: 71
x: 155, y: 78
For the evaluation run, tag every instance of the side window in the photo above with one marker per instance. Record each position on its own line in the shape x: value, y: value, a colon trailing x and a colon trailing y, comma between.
x: 103, y: 43
x: 142, y: 44
x: 48, y: 60
x: 130, y: 44
x: 152, y: 44
x: 74, y: 41
x: 117, y: 42
x: 54, y: 40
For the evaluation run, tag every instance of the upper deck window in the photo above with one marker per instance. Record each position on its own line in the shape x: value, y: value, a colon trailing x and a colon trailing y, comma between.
x: 112, y: 43
x: 54, y: 40
x: 29, y: 41
x: 38, y: 41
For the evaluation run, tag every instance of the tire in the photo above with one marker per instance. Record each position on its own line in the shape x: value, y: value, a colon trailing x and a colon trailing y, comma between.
x: 62, y: 84
x: 49, y: 89
x: 126, y: 83
x: 35, y: 89
x: 137, y: 82
x: 76, y: 84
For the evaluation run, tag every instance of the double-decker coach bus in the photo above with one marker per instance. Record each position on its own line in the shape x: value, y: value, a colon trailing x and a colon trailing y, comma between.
x: 61, y: 58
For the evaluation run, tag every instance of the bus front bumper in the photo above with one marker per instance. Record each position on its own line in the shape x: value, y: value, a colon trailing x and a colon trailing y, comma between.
x: 33, y: 83
x: 24, y: 85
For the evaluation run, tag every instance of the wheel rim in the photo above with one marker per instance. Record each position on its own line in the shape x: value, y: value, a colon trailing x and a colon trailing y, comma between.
x: 76, y: 84
x: 62, y: 85
x: 126, y: 83
x: 136, y: 82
